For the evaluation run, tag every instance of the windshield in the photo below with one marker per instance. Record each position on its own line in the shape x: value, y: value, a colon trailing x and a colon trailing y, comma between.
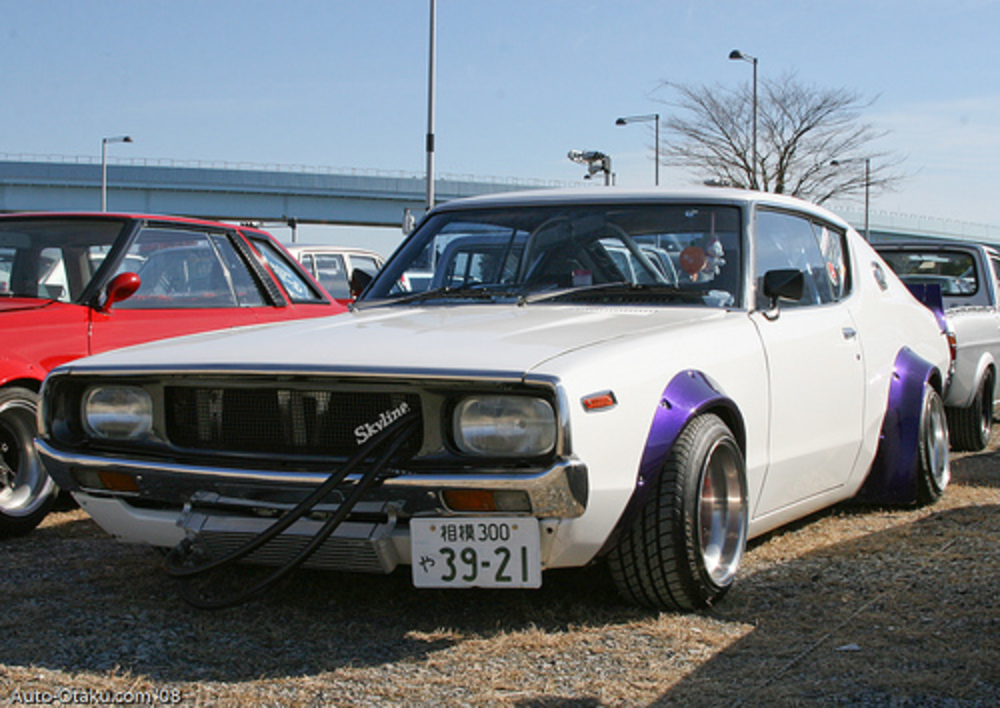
x: 53, y: 258
x: 673, y: 253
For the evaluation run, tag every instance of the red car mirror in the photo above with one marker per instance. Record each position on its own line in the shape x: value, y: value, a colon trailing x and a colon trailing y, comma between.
x: 121, y: 287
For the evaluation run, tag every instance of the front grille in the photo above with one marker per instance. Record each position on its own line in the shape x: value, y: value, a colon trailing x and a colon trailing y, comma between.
x: 287, y: 421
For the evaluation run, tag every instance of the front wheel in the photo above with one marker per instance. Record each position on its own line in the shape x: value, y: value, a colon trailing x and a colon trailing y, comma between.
x: 26, y: 491
x: 934, y: 464
x: 683, y: 549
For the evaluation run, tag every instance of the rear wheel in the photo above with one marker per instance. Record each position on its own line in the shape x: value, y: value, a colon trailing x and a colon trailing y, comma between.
x: 683, y: 549
x: 26, y: 491
x: 934, y: 471
x: 970, y: 427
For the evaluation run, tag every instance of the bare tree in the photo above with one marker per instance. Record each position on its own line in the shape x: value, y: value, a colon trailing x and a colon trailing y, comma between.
x: 808, y: 139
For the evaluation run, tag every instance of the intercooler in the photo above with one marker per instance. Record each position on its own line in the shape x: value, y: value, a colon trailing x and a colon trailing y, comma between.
x: 356, y: 546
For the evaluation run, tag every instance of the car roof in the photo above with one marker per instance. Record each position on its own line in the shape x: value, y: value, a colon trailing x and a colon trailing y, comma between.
x: 131, y: 216
x: 617, y: 195
x: 296, y: 248
x: 933, y: 245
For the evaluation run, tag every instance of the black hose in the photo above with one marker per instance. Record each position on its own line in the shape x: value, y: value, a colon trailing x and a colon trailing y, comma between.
x: 396, y: 435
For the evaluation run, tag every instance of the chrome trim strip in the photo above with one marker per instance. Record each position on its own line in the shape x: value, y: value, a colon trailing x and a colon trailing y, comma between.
x: 399, y: 375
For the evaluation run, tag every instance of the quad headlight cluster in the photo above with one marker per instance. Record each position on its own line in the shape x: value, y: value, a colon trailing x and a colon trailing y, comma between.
x: 505, y: 426
x: 117, y: 412
x: 490, y: 425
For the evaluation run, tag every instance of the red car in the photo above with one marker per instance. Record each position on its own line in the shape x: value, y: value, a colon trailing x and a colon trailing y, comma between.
x: 72, y: 285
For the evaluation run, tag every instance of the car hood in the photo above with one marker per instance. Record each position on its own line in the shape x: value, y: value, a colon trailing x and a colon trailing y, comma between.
x: 471, y: 339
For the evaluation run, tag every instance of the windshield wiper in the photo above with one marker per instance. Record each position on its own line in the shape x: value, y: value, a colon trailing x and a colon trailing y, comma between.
x: 621, y: 288
x: 480, y: 291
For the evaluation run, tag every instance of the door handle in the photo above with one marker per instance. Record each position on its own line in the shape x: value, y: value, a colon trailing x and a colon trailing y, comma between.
x: 849, y: 332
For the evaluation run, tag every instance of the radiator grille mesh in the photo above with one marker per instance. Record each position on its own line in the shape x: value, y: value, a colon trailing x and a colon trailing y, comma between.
x: 281, y: 420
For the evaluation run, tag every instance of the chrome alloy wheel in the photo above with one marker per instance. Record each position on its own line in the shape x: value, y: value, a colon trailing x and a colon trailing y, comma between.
x: 722, y: 513
x: 24, y: 485
x: 934, y: 432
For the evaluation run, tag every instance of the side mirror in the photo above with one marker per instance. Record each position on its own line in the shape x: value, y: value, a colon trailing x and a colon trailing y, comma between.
x: 121, y: 287
x: 360, y: 280
x: 783, y: 284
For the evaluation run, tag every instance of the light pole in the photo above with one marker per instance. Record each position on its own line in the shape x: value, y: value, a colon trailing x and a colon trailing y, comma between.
x: 431, y: 70
x: 595, y: 161
x: 655, y: 117
x: 104, y: 166
x: 736, y: 54
x: 868, y: 184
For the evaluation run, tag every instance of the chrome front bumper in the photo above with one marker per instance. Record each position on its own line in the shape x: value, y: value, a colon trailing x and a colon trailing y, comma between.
x: 559, y: 491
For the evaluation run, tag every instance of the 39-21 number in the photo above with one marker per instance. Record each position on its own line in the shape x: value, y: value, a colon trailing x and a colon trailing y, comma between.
x: 466, y: 564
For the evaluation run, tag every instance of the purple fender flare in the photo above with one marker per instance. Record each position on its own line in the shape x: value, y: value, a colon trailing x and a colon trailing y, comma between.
x: 892, y: 478
x: 932, y: 298
x: 688, y: 395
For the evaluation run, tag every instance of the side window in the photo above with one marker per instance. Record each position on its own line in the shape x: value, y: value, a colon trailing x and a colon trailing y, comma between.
x: 52, y: 281
x: 297, y: 287
x: 831, y: 245
x: 332, y: 274
x: 242, y: 281
x: 179, y: 269
x: 6, y: 266
x: 365, y: 263
x: 792, y: 241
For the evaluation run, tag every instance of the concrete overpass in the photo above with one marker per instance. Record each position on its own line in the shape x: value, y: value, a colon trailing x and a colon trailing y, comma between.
x: 232, y: 191
x: 311, y: 195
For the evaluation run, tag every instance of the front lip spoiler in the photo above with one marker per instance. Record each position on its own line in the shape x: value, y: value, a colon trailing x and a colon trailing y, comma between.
x: 558, y: 491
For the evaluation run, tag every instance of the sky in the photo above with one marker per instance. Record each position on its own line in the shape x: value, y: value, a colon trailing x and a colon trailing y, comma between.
x: 519, y: 83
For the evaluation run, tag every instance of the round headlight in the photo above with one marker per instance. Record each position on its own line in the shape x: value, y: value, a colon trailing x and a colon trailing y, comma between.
x: 117, y: 412
x: 505, y: 426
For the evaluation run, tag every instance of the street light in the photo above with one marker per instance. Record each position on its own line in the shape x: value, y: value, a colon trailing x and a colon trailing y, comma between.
x: 595, y: 161
x: 737, y: 55
x: 655, y: 117
x: 431, y: 74
x: 868, y: 184
x: 104, y: 166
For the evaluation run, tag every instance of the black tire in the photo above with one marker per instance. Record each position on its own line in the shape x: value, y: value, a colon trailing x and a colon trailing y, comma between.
x: 26, y: 491
x: 685, y: 545
x: 934, y: 463
x: 970, y: 427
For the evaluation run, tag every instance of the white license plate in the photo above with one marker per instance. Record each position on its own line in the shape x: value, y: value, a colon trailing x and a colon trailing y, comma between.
x: 475, y: 553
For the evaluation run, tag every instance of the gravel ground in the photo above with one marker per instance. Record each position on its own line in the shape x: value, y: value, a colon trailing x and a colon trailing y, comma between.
x: 857, y: 606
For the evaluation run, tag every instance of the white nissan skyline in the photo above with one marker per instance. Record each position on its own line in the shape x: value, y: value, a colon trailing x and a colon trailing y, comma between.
x: 639, y: 380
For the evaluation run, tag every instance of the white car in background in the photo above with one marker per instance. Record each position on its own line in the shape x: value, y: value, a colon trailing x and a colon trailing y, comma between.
x: 334, y: 267
x: 537, y: 407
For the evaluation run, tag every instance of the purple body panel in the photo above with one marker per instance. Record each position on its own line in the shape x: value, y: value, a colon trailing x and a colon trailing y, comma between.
x: 893, y: 476
x: 687, y: 395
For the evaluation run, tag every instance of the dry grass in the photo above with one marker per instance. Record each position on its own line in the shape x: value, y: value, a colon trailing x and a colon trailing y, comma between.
x: 858, y: 606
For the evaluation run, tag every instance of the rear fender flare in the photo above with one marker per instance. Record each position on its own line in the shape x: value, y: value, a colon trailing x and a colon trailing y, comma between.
x: 892, y: 478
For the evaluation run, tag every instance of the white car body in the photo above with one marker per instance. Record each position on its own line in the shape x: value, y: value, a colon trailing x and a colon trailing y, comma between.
x: 805, y: 391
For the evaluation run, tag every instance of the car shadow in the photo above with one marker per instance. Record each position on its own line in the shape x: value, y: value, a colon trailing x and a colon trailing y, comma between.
x: 906, y: 616
x: 907, y: 598
x: 118, y: 611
